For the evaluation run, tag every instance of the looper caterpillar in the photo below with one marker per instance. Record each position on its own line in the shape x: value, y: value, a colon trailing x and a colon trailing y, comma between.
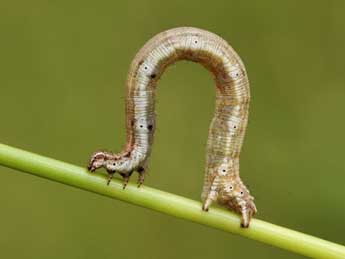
x: 222, y: 181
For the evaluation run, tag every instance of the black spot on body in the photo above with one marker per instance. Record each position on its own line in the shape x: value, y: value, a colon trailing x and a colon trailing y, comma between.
x: 153, y: 76
x: 150, y: 127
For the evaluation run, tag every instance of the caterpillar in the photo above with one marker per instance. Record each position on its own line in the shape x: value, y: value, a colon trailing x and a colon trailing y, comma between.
x: 222, y: 182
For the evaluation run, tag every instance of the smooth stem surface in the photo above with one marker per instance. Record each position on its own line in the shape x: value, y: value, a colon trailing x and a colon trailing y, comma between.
x: 168, y: 203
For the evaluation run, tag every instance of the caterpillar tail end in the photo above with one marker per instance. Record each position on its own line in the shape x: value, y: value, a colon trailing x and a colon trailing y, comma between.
x: 235, y: 197
x: 247, y: 210
x: 97, y: 160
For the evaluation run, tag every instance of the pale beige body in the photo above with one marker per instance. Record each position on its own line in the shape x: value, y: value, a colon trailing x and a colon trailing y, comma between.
x: 227, y: 129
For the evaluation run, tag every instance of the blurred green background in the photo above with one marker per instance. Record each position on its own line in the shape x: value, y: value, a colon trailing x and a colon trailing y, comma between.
x: 63, y: 70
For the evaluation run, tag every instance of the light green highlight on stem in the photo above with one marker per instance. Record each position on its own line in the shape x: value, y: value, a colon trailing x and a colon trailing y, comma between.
x: 168, y: 203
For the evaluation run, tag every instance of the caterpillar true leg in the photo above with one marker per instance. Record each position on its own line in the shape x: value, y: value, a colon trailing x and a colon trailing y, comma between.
x: 110, y: 177
x: 125, y: 179
x: 141, y: 177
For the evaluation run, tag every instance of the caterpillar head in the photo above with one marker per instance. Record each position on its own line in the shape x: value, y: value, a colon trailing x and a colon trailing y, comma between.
x: 111, y: 162
x: 97, y: 160
x: 103, y: 159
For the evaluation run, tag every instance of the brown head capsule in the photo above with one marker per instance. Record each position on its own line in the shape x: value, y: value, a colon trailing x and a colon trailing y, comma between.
x: 227, y: 129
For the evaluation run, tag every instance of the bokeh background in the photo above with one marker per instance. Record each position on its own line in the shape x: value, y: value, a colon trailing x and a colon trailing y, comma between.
x: 62, y: 94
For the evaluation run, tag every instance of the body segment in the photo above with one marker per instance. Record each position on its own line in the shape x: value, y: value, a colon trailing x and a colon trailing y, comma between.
x: 222, y: 181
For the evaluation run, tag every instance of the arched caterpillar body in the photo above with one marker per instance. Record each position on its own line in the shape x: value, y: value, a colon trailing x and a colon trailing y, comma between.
x: 227, y: 129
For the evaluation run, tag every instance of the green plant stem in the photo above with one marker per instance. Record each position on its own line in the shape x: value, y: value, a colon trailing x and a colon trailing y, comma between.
x: 168, y: 203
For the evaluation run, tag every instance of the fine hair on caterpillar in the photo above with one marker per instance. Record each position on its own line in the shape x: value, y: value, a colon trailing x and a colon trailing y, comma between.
x: 222, y: 182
